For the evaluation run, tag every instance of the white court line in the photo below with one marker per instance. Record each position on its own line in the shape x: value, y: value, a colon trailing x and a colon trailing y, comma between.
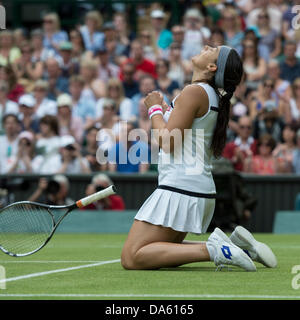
x: 182, y: 296
x: 39, y: 274
x: 49, y: 261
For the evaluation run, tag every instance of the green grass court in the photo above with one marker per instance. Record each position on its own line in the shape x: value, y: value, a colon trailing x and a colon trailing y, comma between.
x: 84, y: 266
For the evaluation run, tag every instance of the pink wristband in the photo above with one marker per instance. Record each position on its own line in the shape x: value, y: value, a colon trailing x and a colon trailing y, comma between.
x: 156, y: 109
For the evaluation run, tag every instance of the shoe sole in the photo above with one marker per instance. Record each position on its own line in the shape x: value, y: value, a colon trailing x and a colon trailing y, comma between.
x: 264, y: 253
x: 221, y: 234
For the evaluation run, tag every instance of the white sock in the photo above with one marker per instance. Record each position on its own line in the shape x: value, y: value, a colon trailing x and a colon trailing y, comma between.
x: 211, y: 250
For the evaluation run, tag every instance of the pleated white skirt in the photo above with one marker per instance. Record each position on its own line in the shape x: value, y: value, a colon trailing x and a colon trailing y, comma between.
x: 177, y: 211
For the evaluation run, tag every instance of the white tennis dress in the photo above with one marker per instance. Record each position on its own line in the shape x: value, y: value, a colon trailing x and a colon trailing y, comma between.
x: 185, y: 197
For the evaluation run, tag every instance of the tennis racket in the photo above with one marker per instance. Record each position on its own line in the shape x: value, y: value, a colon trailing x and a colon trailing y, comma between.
x: 26, y: 227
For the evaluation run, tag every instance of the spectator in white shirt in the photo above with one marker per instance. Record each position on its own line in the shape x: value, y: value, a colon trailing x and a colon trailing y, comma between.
x: 68, y: 124
x: 124, y: 106
x: 9, y: 141
x: 70, y: 160
x: 106, y: 69
x: 43, y: 105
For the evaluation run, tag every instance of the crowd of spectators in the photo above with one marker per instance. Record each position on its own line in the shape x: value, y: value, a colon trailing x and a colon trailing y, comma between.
x: 70, y: 96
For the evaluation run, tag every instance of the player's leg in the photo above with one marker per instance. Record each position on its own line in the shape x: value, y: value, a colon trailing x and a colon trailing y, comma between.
x: 150, y: 246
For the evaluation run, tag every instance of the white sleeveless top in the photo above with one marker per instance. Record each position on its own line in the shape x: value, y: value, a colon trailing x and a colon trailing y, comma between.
x: 189, y: 167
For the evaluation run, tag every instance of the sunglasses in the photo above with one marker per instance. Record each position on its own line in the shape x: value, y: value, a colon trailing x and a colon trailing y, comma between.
x: 48, y: 21
x: 246, y: 127
x: 263, y: 17
x: 265, y: 145
x: 268, y: 85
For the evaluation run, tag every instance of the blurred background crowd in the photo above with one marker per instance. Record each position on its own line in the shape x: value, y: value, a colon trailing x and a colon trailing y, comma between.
x: 65, y: 94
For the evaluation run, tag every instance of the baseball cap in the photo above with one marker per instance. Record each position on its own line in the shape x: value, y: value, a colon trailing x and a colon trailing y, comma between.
x: 67, y: 141
x: 193, y: 13
x: 66, y: 45
x: 27, y: 100
x: 26, y: 135
x: 64, y: 99
x: 157, y: 13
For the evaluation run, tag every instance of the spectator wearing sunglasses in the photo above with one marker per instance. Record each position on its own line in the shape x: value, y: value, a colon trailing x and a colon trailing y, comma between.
x: 53, y: 36
x: 243, y: 146
x: 22, y: 162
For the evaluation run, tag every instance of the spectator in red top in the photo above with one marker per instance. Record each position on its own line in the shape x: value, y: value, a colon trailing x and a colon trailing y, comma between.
x: 243, y: 146
x: 113, y: 202
x: 142, y: 65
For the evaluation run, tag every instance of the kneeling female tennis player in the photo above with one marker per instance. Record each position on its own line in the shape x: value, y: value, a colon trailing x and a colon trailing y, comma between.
x: 184, y: 202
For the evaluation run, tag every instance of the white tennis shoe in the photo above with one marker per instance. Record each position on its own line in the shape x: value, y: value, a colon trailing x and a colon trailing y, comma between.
x: 227, y: 253
x: 257, y: 251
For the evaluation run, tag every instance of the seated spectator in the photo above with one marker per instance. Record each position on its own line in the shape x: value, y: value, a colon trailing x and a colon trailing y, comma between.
x: 179, y: 69
x: 47, y: 146
x: 27, y: 71
x: 268, y: 121
x: 163, y: 82
x: 57, y: 82
x: 15, y: 90
x: 142, y: 65
x: 243, y: 146
x: 268, y: 36
x: 131, y: 86
x: 53, y: 36
x: 9, y: 142
x: 290, y: 65
x: 150, y: 49
x: 162, y: 37
x: 282, y: 88
x: 146, y: 85
x: 43, y: 105
x: 68, y: 64
x: 196, y: 34
x: 264, y: 99
x: 254, y: 66
x: 264, y: 163
x: 6, y: 105
x: 106, y: 68
x: 123, y: 32
x: 68, y: 124
x: 78, y: 49
x: 112, y: 202
x: 128, y: 156
x: 108, y: 124
x: 83, y: 107
x: 94, y: 88
x: 115, y: 91
x: 252, y: 33
x: 8, y: 52
x: 53, y: 191
x: 22, y: 162
x: 27, y: 115
x: 116, y: 50
x: 284, y: 151
x: 70, y: 160
x: 93, y: 38
x: 296, y: 155
x: 89, y: 150
x: 231, y: 25
x: 39, y: 52
x: 292, y: 105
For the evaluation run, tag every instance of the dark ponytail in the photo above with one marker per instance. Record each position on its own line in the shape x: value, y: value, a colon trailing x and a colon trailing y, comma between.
x: 232, y: 77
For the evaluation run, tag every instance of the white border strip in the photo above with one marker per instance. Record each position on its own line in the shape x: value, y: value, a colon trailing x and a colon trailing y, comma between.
x: 39, y: 274
x: 209, y: 296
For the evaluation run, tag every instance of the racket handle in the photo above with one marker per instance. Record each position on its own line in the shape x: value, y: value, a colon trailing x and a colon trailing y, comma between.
x: 96, y: 196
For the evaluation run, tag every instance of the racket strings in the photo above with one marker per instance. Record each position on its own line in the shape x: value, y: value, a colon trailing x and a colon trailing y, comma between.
x: 24, y: 228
